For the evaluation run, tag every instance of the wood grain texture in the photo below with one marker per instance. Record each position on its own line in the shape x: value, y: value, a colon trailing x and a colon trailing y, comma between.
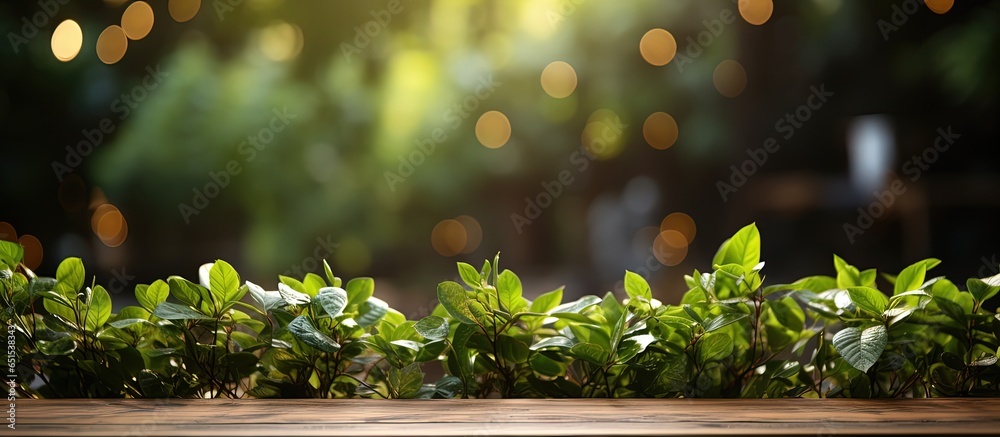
x: 500, y: 417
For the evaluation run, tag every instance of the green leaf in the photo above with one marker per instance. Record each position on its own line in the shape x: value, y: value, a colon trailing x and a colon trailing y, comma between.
x: 224, y: 282
x: 714, y: 347
x: 58, y: 305
x: 636, y: 286
x: 359, y: 290
x: 455, y: 300
x: 632, y: 346
x: 313, y: 283
x: 511, y: 293
x: 868, y: 299
x: 333, y: 300
x: 512, y: 349
x: 981, y: 290
x: 912, y: 277
x: 406, y: 382
x: 986, y: 361
x: 304, y: 330
x: 371, y: 311
x: 589, y: 352
x: 432, y: 327
x: 70, y: 275
x: 547, y: 301
x: 11, y: 254
x: 149, y: 296
x: 743, y: 248
x: 292, y: 296
x: 61, y: 346
x: 172, y: 311
x: 815, y: 284
x: 723, y: 320
x: 239, y: 364
x: 469, y: 275
x: 333, y: 280
x: 861, y: 349
x: 268, y: 300
x: 98, y: 309
x: 849, y: 276
x: 186, y: 291
x: 546, y: 366
x: 952, y: 361
x: 576, y: 306
x: 558, y: 342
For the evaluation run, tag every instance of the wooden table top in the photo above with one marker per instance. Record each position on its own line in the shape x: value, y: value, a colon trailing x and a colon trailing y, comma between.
x: 499, y: 417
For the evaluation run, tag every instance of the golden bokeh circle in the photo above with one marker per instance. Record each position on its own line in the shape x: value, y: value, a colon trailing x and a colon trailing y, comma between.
x: 281, y: 41
x: 670, y: 248
x: 939, y: 6
x: 183, y: 10
x: 7, y: 232
x: 473, y: 233
x: 658, y: 47
x: 559, y: 79
x: 660, y: 130
x: 730, y: 78
x: 109, y: 225
x: 67, y: 40
x: 32, y: 251
x: 493, y: 129
x: 756, y: 12
x: 137, y: 20
x: 112, y: 44
x: 682, y: 223
x: 448, y: 238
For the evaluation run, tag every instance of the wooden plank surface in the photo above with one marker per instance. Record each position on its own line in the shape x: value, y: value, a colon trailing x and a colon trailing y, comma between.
x: 499, y: 417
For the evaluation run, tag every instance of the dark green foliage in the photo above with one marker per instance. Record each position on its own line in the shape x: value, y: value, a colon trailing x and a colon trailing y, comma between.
x: 730, y: 336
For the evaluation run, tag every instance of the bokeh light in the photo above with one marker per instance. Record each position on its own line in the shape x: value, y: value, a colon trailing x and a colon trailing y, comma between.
x: 493, y: 129
x: 658, y: 47
x: 7, y: 232
x: 660, y: 130
x: 680, y: 222
x: 730, y: 78
x: 604, y: 135
x: 939, y: 6
x: 449, y: 237
x: 559, y: 79
x: 109, y: 225
x: 183, y: 10
x: 67, y: 40
x: 473, y: 233
x: 112, y: 44
x: 137, y: 20
x: 281, y: 41
x: 670, y: 248
x: 756, y: 12
x: 33, y: 253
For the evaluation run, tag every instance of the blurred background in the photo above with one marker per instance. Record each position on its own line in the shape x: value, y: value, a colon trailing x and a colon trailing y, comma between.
x: 578, y: 138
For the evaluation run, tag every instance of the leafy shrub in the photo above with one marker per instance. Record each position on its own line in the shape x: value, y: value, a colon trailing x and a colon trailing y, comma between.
x: 730, y: 336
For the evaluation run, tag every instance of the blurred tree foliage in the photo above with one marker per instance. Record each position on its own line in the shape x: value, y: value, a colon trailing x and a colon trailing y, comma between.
x: 363, y: 102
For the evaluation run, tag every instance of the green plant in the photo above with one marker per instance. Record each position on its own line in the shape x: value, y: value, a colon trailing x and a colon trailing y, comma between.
x: 729, y: 336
